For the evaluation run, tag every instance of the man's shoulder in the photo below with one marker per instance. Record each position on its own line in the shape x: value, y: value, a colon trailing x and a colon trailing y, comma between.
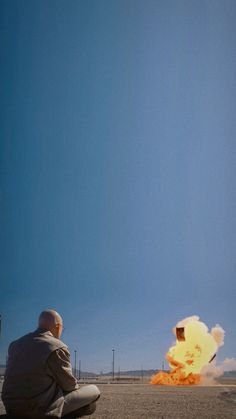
x: 57, y: 343
x: 48, y: 338
x: 40, y: 338
x: 20, y: 340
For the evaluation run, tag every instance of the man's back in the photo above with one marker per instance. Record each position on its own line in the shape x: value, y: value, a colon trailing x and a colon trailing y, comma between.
x: 28, y: 381
x: 39, y: 382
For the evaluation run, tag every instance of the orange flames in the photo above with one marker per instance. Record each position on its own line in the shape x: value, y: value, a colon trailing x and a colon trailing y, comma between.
x: 177, y: 376
x: 195, y: 347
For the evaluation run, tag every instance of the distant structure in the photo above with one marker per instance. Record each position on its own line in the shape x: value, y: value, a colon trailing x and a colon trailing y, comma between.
x: 75, y: 366
x: 113, y: 364
x: 79, y: 369
x: 141, y: 372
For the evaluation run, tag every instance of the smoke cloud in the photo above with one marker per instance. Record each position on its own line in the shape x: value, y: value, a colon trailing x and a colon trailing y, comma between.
x: 192, y: 355
x: 229, y: 364
x: 218, y: 334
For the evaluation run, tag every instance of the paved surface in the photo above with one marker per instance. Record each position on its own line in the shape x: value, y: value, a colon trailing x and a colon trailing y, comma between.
x: 143, y: 401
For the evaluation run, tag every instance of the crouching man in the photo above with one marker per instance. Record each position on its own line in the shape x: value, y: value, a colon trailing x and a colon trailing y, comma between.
x: 39, y: 382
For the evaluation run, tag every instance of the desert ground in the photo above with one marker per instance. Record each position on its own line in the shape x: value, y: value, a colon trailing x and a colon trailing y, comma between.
x: 144, y: 401
x: 137, y: 401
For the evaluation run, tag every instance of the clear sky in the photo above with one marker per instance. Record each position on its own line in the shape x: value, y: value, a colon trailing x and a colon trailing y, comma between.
x: 118, y: 186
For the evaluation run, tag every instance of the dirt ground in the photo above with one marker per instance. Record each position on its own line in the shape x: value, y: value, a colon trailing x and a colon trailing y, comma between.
x: 137, y: 401
x: 144, y: 401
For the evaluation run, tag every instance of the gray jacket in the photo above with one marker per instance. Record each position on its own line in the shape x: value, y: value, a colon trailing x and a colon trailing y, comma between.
x: 35, y: 373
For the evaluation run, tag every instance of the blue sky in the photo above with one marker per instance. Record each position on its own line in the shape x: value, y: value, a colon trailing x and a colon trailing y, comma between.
x: 118, y: 172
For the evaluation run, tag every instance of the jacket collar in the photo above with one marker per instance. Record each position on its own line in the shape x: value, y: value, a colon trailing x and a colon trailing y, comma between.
x: 41, y: 331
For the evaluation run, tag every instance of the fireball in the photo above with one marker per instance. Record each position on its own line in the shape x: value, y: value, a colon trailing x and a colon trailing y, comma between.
x: 194, y: 348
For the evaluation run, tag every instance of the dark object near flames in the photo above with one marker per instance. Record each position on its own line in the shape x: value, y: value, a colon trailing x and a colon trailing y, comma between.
x: 212, y: 358
x: 180, y: 334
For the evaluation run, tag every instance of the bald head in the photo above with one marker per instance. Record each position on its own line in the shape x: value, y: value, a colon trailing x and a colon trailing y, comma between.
x: 51, y: 320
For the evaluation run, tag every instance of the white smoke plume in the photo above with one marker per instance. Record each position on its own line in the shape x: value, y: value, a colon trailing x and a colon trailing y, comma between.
x: 218, y: 334
x: 229, y: 364
x: 210, y: 373
x: 213, y: 370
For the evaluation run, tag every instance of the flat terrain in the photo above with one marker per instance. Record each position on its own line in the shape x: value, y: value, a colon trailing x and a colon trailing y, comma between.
x: 144, y: 401
x: 137, y: 401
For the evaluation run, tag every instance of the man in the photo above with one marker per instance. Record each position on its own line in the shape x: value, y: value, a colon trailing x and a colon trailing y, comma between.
x: 39, y: 382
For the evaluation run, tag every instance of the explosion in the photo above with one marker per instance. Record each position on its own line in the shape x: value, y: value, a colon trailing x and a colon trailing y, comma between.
x: 195, y: 347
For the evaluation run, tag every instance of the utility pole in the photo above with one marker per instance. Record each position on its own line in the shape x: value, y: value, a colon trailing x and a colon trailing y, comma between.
x: 163, y: 365
x: 75, y: 372
x: 79, y: 369
x: 142, y: 373
x: 113, y: 364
